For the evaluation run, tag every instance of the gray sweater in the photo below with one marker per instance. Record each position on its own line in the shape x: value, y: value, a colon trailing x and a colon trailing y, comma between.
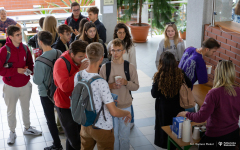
x: 42, y: 72
x: 177, y: 51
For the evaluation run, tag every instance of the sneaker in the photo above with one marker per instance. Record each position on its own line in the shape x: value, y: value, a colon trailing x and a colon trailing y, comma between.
x: 53, y: 148
x: 32, y: 130
x: 131, y: 125
x: 11, y: 138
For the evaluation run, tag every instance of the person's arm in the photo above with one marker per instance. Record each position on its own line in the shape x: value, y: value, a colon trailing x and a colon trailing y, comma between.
x: 32, y: 41
x: 29, y: 61
x: 132, y: 56
x: 38, y: 78
x: 180, y: 49
x: 159, y: 52
x: 18, y: 25
x: 204, y: 113
x: 102, y: 33
x: 154, y: 90
x: 61, y: 76
x: 133, y: 84
x: 116, y: 112
x: 6, y: 72
x: 201, y: 71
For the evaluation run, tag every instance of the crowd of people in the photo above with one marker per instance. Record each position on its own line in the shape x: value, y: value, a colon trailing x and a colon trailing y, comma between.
x: 65, y: 49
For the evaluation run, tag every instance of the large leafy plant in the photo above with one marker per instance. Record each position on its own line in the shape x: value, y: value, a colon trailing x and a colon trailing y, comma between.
x: 81, y: 2
x: 182, y: 18
x: 44, y: 12
x: 162, y: 11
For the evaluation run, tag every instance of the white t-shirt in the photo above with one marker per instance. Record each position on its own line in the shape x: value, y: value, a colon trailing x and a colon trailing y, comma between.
x: 101, y: 93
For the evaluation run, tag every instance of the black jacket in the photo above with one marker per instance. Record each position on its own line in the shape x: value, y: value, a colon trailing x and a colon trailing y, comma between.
x: 59, y: 45
x: 101, y: 30
x: 74, y: 24
x: 33, y: 42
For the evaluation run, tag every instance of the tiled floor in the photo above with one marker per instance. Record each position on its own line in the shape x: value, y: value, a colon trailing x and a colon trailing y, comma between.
x: 142, y: 135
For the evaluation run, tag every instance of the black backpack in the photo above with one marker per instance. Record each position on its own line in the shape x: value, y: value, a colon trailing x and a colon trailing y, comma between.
x: 126, y: 71
x: 51, y: 87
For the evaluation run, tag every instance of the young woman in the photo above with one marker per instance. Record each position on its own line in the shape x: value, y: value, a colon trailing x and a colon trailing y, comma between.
x: 171, y: 43
x: 166, y: 85
x: 121, y: 31
x: 221, y: 109
x: 81, y: 25
x: 89, y: 34
x: 50, y: 24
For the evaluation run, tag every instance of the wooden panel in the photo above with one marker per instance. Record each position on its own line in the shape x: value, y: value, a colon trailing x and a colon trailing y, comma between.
x: 229, y: 25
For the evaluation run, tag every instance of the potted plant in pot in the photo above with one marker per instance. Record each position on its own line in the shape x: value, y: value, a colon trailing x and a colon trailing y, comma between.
x: 162, y: 12
x: 182, y: 30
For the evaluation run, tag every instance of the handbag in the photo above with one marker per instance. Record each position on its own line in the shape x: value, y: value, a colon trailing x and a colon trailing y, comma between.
x: 186, y: 97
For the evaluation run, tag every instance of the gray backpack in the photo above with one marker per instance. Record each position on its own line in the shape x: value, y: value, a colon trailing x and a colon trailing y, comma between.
x: 82, y: 103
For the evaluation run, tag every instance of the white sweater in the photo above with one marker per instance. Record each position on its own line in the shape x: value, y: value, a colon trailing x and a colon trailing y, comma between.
x: 129, y: 56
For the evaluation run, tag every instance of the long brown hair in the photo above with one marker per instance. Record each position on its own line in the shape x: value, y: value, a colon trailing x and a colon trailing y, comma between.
x: 50, y: 24
x: 86, y: 27
x: 169, y: 76
x: 166, y: 39
x: 128, y: 39
x: 81, y: 25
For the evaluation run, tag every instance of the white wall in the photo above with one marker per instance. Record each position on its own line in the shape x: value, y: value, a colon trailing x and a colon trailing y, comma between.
x: 199, y: 13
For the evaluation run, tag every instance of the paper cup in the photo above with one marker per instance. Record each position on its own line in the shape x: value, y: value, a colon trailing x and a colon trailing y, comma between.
x: 209, y: 69
x: 116, y: 78
x: 196, y: 133
x: 84, y: 60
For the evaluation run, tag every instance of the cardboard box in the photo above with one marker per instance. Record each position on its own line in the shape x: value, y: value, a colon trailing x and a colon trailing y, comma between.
x: 177, y: 126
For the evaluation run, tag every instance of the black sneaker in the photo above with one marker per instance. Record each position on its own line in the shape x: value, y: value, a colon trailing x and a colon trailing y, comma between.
x: 53, y: 148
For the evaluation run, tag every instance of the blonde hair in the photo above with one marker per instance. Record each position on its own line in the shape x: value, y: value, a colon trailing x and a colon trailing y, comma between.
x: 225, y: 76
x: 166, y: 39
x: 50, y: 24
x: 95, y: 52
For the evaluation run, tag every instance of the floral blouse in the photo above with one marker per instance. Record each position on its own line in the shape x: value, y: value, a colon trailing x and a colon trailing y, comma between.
x: 5, y: 24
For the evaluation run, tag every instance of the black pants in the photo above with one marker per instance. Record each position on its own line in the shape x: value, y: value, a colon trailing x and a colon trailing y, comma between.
x: 220, y: 142
x: 48, y: 108
x: 71, y: 129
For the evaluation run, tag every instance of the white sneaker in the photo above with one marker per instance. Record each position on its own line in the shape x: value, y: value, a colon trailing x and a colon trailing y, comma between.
x: 31, y: 130
x: 11, y: 138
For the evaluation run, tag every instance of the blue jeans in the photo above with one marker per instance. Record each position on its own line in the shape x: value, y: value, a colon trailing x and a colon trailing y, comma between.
x: 121, y: 133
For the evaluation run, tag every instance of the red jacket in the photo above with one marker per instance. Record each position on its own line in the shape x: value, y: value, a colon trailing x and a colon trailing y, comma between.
x: 20, y: 60
x: 64, y: 80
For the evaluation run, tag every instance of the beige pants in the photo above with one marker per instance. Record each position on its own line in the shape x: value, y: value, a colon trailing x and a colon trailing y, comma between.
x: 11, y: 96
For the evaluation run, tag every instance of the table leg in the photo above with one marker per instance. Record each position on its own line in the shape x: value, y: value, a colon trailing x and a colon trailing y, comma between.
x: 168, y: 143
x: 174, y: 143
x: 187, y: 147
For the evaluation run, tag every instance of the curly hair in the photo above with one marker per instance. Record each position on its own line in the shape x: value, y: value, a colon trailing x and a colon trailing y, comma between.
x: 169, y: 76
x: 127, y: 40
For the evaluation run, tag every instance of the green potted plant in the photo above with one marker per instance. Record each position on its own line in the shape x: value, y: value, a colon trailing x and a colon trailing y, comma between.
x: 182, y: 30
x: 182, y: 21
x: 162, y: 13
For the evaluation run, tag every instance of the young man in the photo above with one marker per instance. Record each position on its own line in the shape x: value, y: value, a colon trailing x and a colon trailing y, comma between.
x: 104, y: 136
x: 64, y: 81
x: 74, y: 20
x: 16, y: 83
x: 33, y: 41
x: 192, y: 62
x: 41, y: 78
x: 121, y: 87
x: 93, y: 16
x: 64, y: 38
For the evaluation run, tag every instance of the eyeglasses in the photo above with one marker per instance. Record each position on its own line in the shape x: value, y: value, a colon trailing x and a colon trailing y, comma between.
x: 117, y: 51
x: 170, y: 23
x: 76, y: 10
x: 225, y: 60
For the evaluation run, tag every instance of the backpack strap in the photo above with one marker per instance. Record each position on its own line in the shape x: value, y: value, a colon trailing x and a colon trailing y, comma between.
x: 8, y: 54
x: 67, y: 64
x: 94, y: 78
x: 45, y: 61
x: 98, y: 114
x: 108, y: 70
x: 127, y: 74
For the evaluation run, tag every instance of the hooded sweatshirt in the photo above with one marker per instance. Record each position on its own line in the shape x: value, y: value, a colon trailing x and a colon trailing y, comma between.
x: 19, y: 59
x: 64, y: 80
